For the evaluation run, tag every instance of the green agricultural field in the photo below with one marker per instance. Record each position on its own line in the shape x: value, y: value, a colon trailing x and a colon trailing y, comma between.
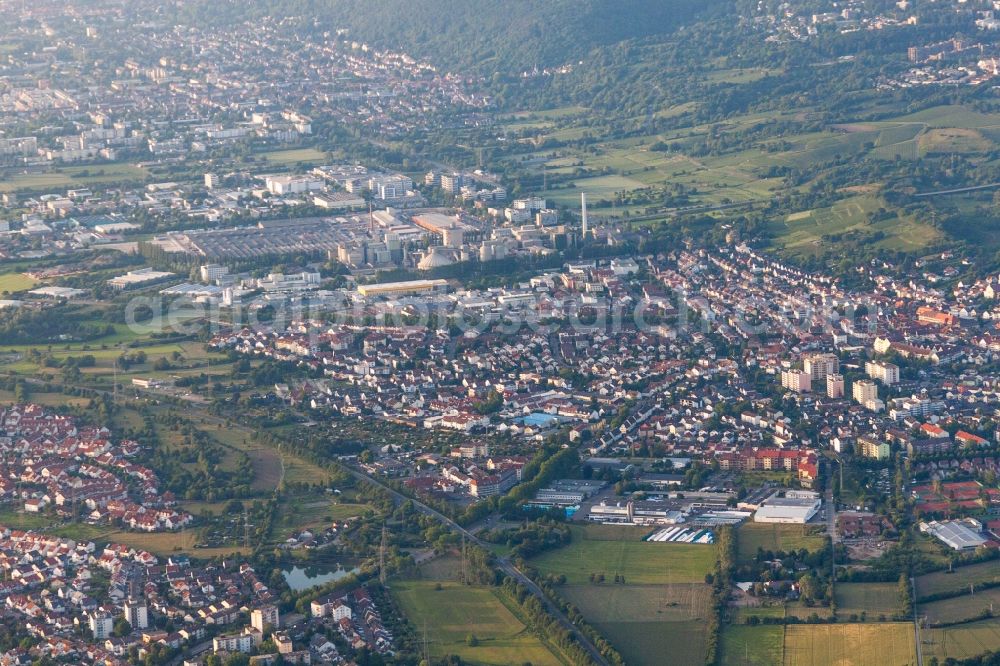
x: 299, y: 470
x: 106, y: 173
x: 657, y: 643
x: 827, y: 146
x: 953, y: 140
x: 84, y: 532
x: 898, y: 133
x: 873, y: 599
x: 14, y: 282
x: 942, y: 581
x: 294, y: 156
x: 438, y: 569
x: 639, y: 561
x: 19, y: 520
x: 662, y: 608
x: 645, y: 622
x: 611, y: 532
x: 631, y: 603
x: 962, y: 641
x: 803, y: 612
x: 677, y: 110
x: 811, y: 231
x: 527, y: 126
x: 312, y: 512
x: 267, y: 461
x: 738, y: 76
x: 961, y: 608
x: 953, y: 116
x: 198, y: 507
x: 268, y: 464
x: 855, y: 644
x: 167, y: 543
x: 898, y: 140
x: 35, y: 181
x: 597, y: 188
x: 838, y: 218
x: 740, y: 614
x: 450, y: 615
x: 906, y: 150
x: 606, y: 168
x: 775, y: 537
x: 104, y: 360
x: 547, y: 114
x: 561, y: 112
x: 762, y: 645
x: 68, y: 177
x: 46, y: 399
x: 101, y: 350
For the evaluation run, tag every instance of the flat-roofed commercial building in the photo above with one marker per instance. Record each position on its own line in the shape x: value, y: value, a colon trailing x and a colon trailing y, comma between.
x: 795, y: 508
x: 140, y: 278
x: 965, y: 534
x: 402, y: 288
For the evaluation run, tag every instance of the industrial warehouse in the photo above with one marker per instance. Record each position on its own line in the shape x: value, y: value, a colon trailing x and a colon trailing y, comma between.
x: 795, y: 507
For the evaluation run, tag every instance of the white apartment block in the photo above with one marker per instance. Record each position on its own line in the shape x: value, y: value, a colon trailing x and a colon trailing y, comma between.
x: 887, y: 373
x: 835, y: 386
x: 820, y: 365
x: 797, y: 381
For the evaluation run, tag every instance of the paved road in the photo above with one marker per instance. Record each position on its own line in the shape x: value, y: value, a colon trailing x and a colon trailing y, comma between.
x: 502, y: 563
x: 957, y: 190
x: 670, y: 212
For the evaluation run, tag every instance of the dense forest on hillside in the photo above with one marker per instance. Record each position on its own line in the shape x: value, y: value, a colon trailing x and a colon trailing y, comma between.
x: 632, y: 57
x: 706, y: 94
x: 484, y: 37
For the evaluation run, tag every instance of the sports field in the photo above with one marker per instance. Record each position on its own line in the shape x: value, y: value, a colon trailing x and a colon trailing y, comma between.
x: 294, y: 156
x: 453, y: 613
x: 885, y: 644
x: 641, y: 562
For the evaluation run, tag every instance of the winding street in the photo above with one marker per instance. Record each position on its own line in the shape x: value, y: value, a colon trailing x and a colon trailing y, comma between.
x: 503, y: 563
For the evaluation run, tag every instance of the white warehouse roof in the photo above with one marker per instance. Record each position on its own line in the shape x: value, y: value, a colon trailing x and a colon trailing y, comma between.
x: 787, y: 510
